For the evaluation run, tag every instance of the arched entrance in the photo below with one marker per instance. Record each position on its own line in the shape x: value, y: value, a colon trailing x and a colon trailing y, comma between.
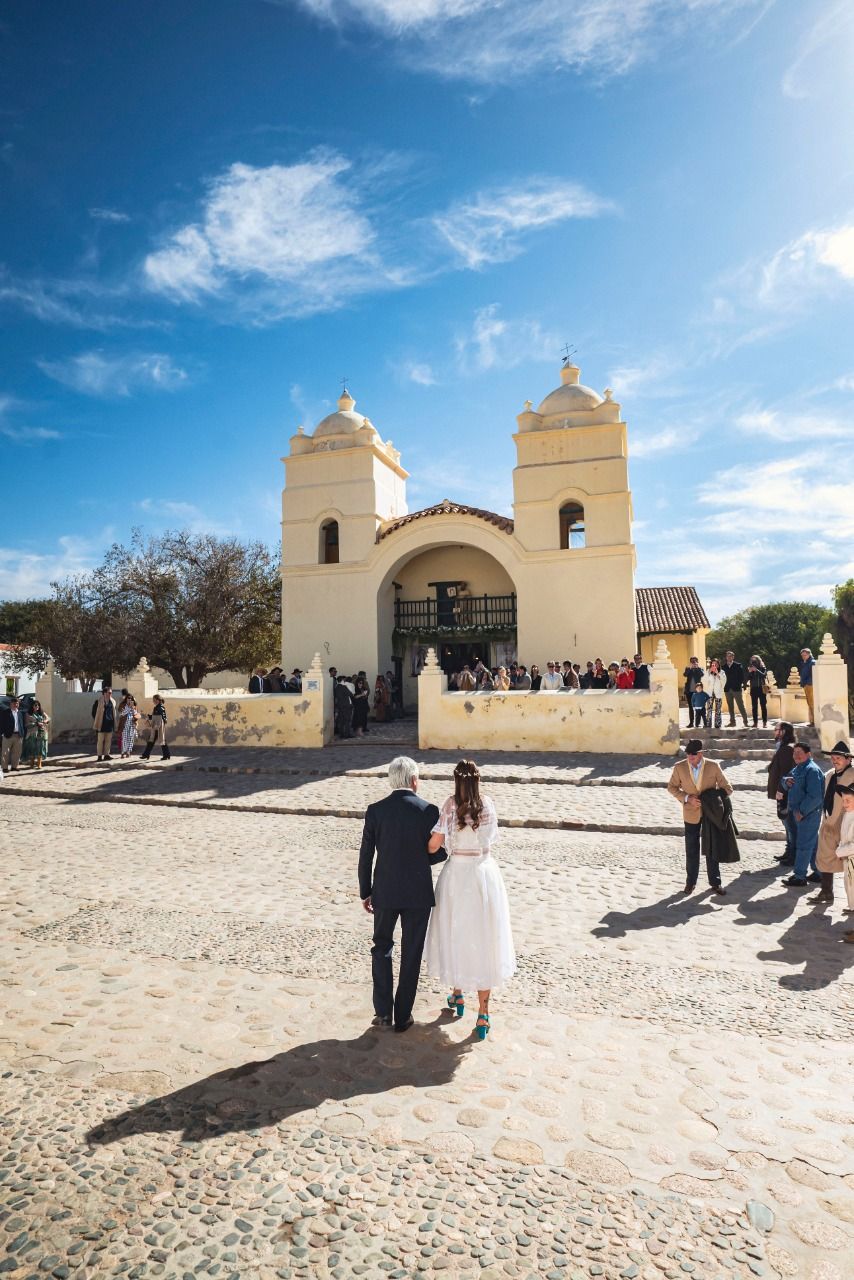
x: 452, y: 596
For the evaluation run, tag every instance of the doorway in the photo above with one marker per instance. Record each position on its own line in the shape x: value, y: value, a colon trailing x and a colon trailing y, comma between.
x: 453, y: 657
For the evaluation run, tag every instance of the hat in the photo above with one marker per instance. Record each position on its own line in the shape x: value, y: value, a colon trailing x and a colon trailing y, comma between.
x: 692, y: 746
x: 841, y: 749
x: 843, y: 790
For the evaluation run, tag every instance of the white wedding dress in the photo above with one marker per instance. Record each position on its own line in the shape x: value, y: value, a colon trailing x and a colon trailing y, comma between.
x: 469, y: 940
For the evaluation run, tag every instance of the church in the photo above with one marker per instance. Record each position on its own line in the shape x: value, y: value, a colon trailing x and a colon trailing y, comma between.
x: 373, y: 585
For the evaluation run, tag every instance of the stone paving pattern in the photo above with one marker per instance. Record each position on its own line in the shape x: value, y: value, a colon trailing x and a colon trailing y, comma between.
x: 191, y: 1087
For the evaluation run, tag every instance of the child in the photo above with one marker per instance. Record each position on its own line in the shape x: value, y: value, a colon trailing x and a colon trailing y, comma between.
x: 699, y: 701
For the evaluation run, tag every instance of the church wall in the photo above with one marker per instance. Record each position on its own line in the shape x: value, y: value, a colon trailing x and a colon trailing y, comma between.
x: 580, y: 608
x: 481, y: 572
x: 333, y: 609
x: 682, y: 647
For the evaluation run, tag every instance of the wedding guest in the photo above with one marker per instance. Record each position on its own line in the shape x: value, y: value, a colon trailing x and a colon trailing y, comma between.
x: 600, y: 675
x: 466, y: 680
x: 536, y: 678
x: 613, y: 672
x: 274, y: 681
x: 826, y: 859
x: 523, y: 680
x: 734, y: 684
x: 35, y: 743
x: 12, y: 730
x: 361, y: 699
x: 570, y: 679
x: 380, y: 700
x: 805, y: 667
x: 714, y: 686
x: 689, y: 779
x: 625, y: 675
x: 586, y: 680
x: 757, y: 674
x: 128, y: 722
x: 256, y: 680
x: 469, y: 939
x: 157, y: 733
x: 502, y: 681
x: 699, y: 703
x: 393, y: 695
x: 782, y: 762
x: 845, y: 850
x: 692, y: 675
x: 642, y: 679
x: 487, y: 684
x: 805, y: 787
x: 104, y: 723
x: 552, y: 680
x: 343, y: 708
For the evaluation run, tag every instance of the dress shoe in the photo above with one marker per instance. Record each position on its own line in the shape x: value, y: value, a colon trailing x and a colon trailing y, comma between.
x: 404, y: 1026
x: 380, y: 1020
x: 849, y: 937
x: 821, y: 897
x: 689, y: 888
x: 814, y: 877
x: 718, y: 888
x: 795, y: 882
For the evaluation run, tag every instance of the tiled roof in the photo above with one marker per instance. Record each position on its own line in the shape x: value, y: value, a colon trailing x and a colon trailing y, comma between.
x: 668, y: 609
x: 447, y: 508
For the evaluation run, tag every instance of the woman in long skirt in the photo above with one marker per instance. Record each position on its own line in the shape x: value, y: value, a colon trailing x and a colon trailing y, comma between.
x: 469, y: 940
x: 35, y: 741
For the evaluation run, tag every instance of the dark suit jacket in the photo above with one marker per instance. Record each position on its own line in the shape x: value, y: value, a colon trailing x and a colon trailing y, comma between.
x: 397, y: 829
x: 7, y: 722
x: 256, y: 684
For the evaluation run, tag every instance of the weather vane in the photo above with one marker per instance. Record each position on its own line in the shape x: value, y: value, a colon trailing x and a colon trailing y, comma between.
x: 568, y: 352
x: 344, y: 381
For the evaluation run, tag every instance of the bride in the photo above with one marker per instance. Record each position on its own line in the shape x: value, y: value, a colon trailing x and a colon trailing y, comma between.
x: 469, y: 940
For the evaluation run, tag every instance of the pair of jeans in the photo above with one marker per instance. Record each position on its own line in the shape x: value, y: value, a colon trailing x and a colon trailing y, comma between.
x: 759, y: 700
x: 713, y: 711
x: 734, y: 697
x: 413, y: 931
x: 692, y: 857
x: 803, y: 837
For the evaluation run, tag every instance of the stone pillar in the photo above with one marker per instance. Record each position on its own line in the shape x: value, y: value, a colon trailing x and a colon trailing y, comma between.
x: 774, y: 697
x: 793, y: 700
x: 432, y: 683
x: 317, y: 694
x: 664, y: 684
x: 45, y: 687
x: 142, y: 685
x: 830, y: 695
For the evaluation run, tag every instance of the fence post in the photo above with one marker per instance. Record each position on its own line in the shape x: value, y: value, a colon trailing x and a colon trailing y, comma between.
x: 432, y: 683
x: 664, y: 682
x: 142, y: 685
x: 830, y: 695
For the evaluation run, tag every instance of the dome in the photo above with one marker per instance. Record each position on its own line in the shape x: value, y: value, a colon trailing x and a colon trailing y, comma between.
x: 344, y: 422
x: 571, y: 396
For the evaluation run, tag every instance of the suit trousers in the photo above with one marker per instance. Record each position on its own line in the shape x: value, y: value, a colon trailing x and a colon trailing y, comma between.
x: 10, y: 754
x: 104, y: 742
x: 809, y: 697
x: 692, y: 856
x: 735, y: 698
x: 804, y: 838
x: 413, y: 931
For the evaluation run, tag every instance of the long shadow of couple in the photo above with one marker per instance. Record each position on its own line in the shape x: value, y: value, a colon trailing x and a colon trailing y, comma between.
x: 297, y: 1080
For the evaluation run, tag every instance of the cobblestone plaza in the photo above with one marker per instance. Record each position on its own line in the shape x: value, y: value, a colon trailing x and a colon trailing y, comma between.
x: 191, y: 1086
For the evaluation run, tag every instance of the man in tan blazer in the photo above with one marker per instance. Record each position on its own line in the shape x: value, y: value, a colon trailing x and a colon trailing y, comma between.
x: 690, y: 777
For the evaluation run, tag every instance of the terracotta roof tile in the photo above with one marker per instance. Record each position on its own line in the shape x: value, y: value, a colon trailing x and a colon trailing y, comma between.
x: 447, y: 508
x: 668, y: 609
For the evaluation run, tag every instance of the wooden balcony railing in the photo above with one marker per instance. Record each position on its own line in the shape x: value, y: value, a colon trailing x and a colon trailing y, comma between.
x: 459, y: 613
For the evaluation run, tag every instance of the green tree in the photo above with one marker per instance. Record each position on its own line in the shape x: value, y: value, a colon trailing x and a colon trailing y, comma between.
x: 86, y: 641
x: 195, y: 603
x: 777, y: 632
x: 16, y: 620
x: 843, y: 602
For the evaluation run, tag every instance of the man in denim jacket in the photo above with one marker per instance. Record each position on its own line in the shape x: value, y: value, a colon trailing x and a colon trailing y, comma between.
x: 805, y: 786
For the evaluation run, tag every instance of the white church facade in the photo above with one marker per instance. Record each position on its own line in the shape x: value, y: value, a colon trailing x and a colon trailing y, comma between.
x: 373, y: 585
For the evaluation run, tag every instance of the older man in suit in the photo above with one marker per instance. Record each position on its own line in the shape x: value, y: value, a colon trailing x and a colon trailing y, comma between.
x: 689, y: 779
x: 400, y: 886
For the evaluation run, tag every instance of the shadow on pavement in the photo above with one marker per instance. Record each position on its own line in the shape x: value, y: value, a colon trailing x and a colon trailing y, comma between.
x: 300, y: 1079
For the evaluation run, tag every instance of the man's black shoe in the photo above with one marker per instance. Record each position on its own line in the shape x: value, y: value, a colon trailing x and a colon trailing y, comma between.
x: 718, y: 888
x: 814, y: 877
x: 380, y: 1020
x: 404, y: 1026
x: 795, y: 882
x: 689, y: 888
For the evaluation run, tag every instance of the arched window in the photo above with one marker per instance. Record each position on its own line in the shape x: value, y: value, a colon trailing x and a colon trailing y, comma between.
x: 572, y: 533
x: 329, y: 542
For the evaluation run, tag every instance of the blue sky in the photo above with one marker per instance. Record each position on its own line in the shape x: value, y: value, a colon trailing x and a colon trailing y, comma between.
x: 212, y: 210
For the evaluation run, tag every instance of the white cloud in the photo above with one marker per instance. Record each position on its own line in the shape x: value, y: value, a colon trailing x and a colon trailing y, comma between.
x: 659, y: 442
x: 419, y: 372
x: 499, y: 40
x: 808, y: 494
x: 829, y: 35
x: 109, y: 215
x: 95, y: 374
x: 491, y: 226
x: 293, y: 232
x: 19, y: 432
x: 185, y: 515
x: 28, y: 574
x: 794, y: 427
x: 493, y: 342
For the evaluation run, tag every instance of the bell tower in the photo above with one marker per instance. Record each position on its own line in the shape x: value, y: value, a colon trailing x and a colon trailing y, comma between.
x: 573, y: 517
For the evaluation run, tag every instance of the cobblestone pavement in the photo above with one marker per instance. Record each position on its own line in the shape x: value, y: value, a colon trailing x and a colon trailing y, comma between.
x: 191, y: 1087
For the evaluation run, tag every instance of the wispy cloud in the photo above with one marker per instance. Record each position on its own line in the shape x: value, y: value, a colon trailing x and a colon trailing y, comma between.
x: 495, y: 342
x: 26, y: 574
x: 79, y: 302
x: 498, y: 40
x: 417, y: 371
x: 647, y: 446
x: 777, y: 424
x: 109, y: 215
x: 296, y: 234
x: 94, y: 373
x: 11, y: 428
x: 830, y: 33
x: 492, y: 226
x: 164, y: 513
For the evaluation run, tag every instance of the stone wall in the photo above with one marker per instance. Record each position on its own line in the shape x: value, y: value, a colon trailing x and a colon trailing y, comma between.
x: 630, y: 722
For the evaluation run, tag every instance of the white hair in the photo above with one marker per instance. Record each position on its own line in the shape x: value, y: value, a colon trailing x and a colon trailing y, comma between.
x: 402, y: 772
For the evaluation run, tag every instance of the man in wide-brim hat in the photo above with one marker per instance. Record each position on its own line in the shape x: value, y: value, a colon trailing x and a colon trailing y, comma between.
x: 827, y: 863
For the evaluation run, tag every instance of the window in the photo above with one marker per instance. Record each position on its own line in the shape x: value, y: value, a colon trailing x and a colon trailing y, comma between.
x: 572, y: 533
x: 329, y: 542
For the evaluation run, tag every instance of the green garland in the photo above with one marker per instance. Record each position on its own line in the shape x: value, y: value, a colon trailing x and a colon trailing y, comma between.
x: 401, y: 636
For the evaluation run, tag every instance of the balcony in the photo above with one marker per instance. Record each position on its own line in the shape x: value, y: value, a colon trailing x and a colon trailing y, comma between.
x: 455, y: 614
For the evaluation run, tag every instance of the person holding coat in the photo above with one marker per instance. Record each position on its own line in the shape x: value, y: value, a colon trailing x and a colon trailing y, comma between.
x: 782, y: 763
x: 827, y: 861
x: 35, y: 743
x: 689, y: 779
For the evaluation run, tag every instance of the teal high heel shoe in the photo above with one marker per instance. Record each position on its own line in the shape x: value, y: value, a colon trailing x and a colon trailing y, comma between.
x: 481, y: 1028
x: 457, y: 1002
